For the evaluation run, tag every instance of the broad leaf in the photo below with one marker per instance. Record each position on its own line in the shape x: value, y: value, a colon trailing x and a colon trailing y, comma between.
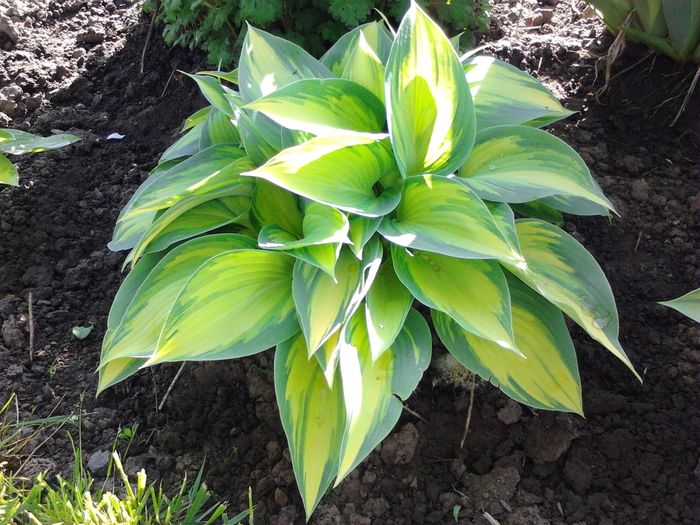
x: 473, y: 292
x: 520, y: 164
x: 547, y: 377
x: 683, y: 21
x: 8, y: 173
x: 442, y: 215
x: 23, y: 142
x: 139, y: 329
x: 565, y: 273
x: 361, y: 231
x: 688, y: 305
x: 214, y: 93
x: 268, y: 63
x: 275, y: 205
x: 311, y: 170
x: 365, y: 68
x: 185, y: 146
x: 313, y: 417
x: 323, y: 107
x: 375, y: 35
x: 236, y: 304
x: 386, y: 307
x: 374, y: 388
x: 429, y: 107
x: 323, y: 303
x: 503, y: 94
x: 197, y: 117
x: 218, y: 129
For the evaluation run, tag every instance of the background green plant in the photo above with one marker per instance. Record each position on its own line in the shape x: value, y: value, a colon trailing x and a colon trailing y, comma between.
x: 215, y: 25
x: 671, y: 27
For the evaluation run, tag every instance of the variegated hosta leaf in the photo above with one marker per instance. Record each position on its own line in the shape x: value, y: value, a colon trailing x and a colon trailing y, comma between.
x: 539, y: 210
x: 442, y: 215
x: 521, y: 164
x: 129, y: 230
x: 211, y: 170
x: 575, y: 205
x: 361, y: 231
x: 313, y: 417
x: 191, y: 217
x: 236, y: 304
x: 547, y: 377
x: 688, y: 305
x: 23, y: 142
x: 275, y: 205
x: 195, y: 118
x: 323, y: 107
x: 565, y: 273
x: 429, y: 107
x: 8, y: 173
x: 386, y: 307
x: 268, y: 63
x: 140, y: 325
x: 323, y: 303
x: 365, y: 68
x: 375, y: 35
x: 185, y: 146
x: 312, y: 170
x: 324, y: 230
x: 504, y: 218
x: 213, y: 92
x: 503, y: 94
x: 473, y: 292
x: 218, y: 129
x: 373, y: 388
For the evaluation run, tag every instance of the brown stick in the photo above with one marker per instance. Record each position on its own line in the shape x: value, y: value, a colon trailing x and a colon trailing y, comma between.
x: 687, y: 96
x: 148, y: 36
x: 31, y: 328
x: 469, y: 412
x: 414, y: 413
x: 639, y: 239
x: 170, y: 388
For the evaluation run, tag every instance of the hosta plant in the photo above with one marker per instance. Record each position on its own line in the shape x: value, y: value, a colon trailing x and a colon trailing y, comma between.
x: 671, y: 27
x: 16, y: 142
x: 326, y: 207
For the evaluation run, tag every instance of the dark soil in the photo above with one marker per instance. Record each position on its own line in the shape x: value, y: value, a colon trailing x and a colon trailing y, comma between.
x: 634, y: 459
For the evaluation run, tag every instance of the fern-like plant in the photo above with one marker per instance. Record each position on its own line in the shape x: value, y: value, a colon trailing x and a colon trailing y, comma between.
x: 317, y: 206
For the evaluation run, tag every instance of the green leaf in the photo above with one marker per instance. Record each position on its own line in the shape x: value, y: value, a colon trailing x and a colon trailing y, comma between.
x: 539, y: 210
x: 547, y: 377
x: 214, y: 93
x: 683, y: 21
x: 575, y: 205
x: 472, y: 292
x: 503, y: 94
x: 275, y: 205
x: 23, y: 142
x: 195, y: 118
x: 218, y: 129
x: 365, y: 68
x: 313, y: 418
x: 268, y: 63
x: 310, y: 170
x: 324, y: 229
x: 81, y: 332
x: 373, y: 388
x: 185, y: 146
x: 565, y: 273
x: 520, y: 164
x: 323, y: 303
x: 8, y: 173
x: 211, y: 170
x: 429, y: 107
x: 340, y: 53
x: 361, y: 231
x: 323, y: 107
x: 141, y: 323
x: 236, y: 304
x: 191, y: 217
x: 386, y: 307
x: 688, y: 305
x: 442, y: 215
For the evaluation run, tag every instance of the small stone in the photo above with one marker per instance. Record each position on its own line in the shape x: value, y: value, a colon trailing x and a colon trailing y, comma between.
x: 281, y: 498
x: 97, y: 463
x: 12, y: 336
x: 511, y: 413
x: 8, y: 28
x: 91, y: 36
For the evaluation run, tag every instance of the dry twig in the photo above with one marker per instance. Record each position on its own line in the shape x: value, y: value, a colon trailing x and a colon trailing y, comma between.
x: 172, y: 385
x: 467, y: 423
x: 31, y: 327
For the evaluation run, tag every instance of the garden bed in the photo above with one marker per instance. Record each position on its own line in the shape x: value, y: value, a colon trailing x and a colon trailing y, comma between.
x: 634, y: 459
